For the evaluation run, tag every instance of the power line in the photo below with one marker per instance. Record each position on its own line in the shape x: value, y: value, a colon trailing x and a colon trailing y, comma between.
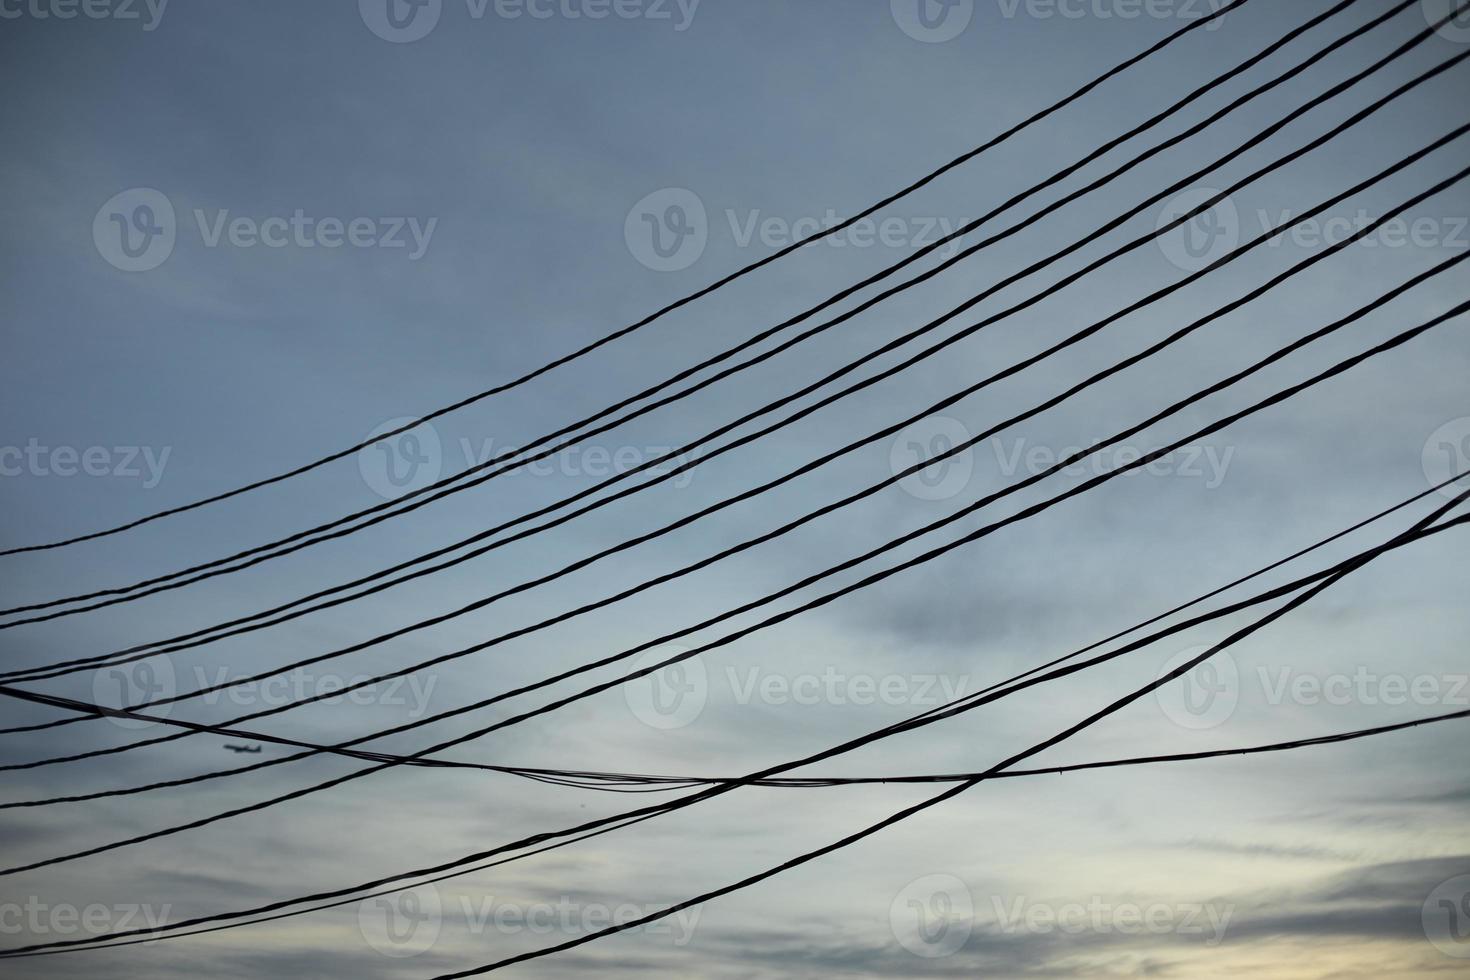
x: 371, y: 756
x: 670, y: 473
x: 907, y: 812
x: 101, y: 942
x: 92, y: 711
x: 1144, y: 460
x: 604, y: 825
x: 671, y: 307
x: 113, y: 659
x: 1277, y: 355
x: 412, y: 501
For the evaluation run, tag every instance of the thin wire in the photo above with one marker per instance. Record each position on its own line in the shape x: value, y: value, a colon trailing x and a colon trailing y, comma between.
x: 604, y: 825
x: 303, y: 539
x: 1144, y: 460
x: 671, y: 307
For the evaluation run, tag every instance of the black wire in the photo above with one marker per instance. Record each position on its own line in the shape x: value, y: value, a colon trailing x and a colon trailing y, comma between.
x: 100, y: 942
x: 40, y: 673
x: 907, y: 812
x: 588, y: 779
x: 604, y: 825
x: 1281, y: 353
x: 671, y: 307
x: 1144, y: 460
x: 210, y: 569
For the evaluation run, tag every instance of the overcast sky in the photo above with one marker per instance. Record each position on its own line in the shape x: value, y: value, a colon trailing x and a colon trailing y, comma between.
x: 338, y: 215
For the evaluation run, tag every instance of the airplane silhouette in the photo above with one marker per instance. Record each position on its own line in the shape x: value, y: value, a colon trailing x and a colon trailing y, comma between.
x: 243, y: 748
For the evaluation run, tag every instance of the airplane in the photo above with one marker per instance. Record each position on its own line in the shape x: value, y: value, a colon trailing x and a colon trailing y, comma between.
x: 243, y: 748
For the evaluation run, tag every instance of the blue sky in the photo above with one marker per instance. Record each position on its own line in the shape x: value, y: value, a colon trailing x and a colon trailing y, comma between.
x: 350, y: 227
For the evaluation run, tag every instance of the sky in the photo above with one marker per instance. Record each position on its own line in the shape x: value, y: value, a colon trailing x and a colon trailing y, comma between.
x: 240, y: 237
